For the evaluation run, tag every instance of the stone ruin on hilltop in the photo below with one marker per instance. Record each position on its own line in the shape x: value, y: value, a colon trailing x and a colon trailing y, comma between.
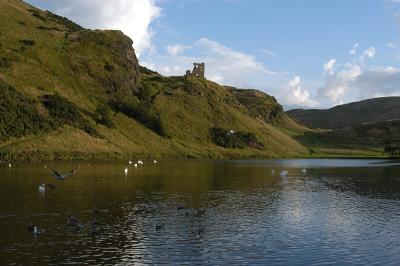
x: 198, y: 71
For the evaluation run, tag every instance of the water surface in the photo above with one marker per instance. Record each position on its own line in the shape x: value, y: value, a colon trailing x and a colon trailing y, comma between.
x: 345, y: 212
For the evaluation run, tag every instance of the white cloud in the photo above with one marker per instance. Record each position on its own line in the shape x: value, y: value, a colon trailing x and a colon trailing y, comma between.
x: 397, y: 17
x: 133, y: 17
x: 369, y: 53
x: 391, y: 45
x: 268, y: 52
x: 176, y: 49
x: 223, y: 64
x: 328, y: 66
x: 293, y: 94
x: 354, y: 49
x: 354, y: 82
x: 337, y: 85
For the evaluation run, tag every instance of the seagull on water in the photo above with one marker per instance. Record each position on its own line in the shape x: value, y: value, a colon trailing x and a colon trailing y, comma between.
x: 130, y: 162
x: 155, y: 161
x: 304, y: 171
x: 135, y: 165
x: 60, y: 176
x: 284, y: 173
x: 42, y: 188
x: 126, y: 170
x: 140, y: 162
x: 9, y: 164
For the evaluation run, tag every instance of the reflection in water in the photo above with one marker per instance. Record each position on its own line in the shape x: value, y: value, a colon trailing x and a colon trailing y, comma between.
x: 204, y: 212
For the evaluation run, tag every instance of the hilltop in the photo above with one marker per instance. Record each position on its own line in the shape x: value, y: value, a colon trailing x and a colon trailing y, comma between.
x: 374, y: 110
x: 74, y: 93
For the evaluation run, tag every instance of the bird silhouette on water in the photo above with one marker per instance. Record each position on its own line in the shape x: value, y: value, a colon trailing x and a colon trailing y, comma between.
x: 201, y: 212
x: 180, y: 207
x: 74, y: 223
x: 34, y: 229
x: 60, y: 176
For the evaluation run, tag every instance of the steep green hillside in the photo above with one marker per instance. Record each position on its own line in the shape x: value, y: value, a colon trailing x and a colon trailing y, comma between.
x: 351, y: 114
x: 77, y: 93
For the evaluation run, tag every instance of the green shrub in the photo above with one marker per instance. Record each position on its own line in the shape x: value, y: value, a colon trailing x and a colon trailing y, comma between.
x: 27, y: 42
x: 142, y: 111
x: 231, y: 139
x: 18, y: 115
x: 104, y: 116
x: 5, y: 62
x: 65, y: 112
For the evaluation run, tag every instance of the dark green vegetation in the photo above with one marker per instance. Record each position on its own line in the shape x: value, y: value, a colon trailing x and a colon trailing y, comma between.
x: 394, y: 150
x: 19, y: 115
x: 76, y: 93
x: 351, y: 114
x: 232, y: 139
x: 64, y: 112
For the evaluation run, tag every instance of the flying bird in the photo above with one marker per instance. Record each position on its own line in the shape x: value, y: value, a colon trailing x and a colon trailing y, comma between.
x: 60, y: 176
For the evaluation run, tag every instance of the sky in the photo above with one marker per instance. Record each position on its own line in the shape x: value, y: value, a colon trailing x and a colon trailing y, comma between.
x: 306, y: 53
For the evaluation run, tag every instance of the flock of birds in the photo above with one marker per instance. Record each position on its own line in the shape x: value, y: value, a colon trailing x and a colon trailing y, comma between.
x: 72, y: 222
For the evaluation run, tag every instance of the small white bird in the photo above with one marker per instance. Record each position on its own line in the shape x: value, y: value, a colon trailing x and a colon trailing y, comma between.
x: 130, y: 162
x: 284, y: 173
x: 155, y: 161
x: 135, y: 165
x: 126, y: 170
x: 272, y: 171
x: 304, y: 170
x: 42, y: 188
x: 45, y: 166
x: 9, y: 164
x: 140, y: 162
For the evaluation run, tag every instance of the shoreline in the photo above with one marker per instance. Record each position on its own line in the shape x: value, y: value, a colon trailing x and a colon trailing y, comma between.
x: 38, y: 157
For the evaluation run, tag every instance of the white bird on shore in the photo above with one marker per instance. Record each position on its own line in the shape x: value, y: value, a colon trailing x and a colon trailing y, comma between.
x: 304, y: 170
x: 135, y: 165
x: 126, y: 170
x: 130, y: 162
x: 284, y: 173
x: 140, y: 162
x: 9, y: 164
x: 155, y: 161
x: 42, y: 188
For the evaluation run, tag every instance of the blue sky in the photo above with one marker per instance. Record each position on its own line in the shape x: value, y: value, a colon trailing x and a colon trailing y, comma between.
x: 307, y: 53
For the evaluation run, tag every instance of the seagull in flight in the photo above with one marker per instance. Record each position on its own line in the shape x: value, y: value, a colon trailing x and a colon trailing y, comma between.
x: 60, y: 176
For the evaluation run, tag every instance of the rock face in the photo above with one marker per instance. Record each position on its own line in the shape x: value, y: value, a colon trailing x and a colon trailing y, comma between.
x: 113, y: 64
x: 260, y: 105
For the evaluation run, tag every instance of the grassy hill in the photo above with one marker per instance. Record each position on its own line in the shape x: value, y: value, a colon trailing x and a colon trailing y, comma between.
x: 368, y: 111
x: 363, y: 128
x: 73, y: 93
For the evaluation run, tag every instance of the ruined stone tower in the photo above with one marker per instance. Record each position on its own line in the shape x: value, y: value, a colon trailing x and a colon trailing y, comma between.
x: 198, y: 71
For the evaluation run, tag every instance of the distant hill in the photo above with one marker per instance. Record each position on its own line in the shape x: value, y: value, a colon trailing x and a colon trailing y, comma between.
x: 72, y: 93
x: 369, y: 136
x: 348, y: 115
